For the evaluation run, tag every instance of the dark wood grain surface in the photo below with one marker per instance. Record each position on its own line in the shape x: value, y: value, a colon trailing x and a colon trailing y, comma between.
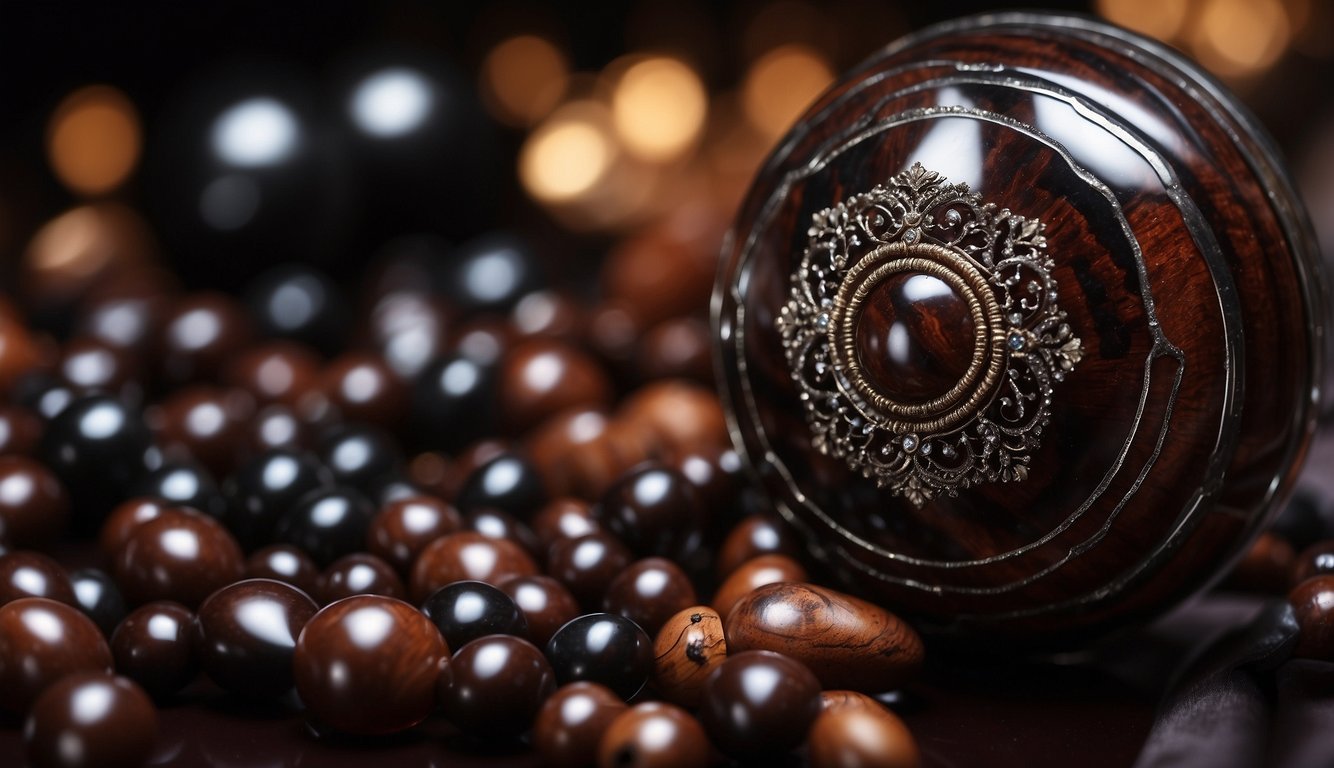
x: 1180, y: 266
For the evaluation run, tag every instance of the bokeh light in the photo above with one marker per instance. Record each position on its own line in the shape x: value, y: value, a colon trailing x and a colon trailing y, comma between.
x: 781, y: 84
x: 82, y: 246
x: 392, y: 102
x: 93, y: 140
x: 523, y: 78
x: 256, y: 132
x: 1162, y: 19
x: 658, y: 108
x: 569, y: 154
x: 1236, y: 38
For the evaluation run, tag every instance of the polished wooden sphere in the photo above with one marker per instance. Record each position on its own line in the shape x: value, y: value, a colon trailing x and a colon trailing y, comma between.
x: 1022, y: 325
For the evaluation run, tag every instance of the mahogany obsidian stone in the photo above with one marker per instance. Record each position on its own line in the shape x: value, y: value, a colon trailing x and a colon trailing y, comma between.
x: 602, y: 648
x: 1058, y: 400
x: 246, y: 634
x: 91, y: 718
x: 466, y: 610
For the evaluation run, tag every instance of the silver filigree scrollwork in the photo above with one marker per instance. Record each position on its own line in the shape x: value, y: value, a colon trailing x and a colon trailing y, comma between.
x: 987, y: 426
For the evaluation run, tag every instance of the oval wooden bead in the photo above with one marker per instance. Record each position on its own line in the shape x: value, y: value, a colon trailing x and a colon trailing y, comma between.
x: 653, y: 735
x: 753, y: 574
x: 688, y: 647
x: 846, y: 642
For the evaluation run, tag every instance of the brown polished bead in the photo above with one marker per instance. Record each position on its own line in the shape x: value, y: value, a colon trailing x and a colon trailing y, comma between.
x: 580, y: 452
x: 1315, y: 560
x: 63, y: 731
x: 497, y: 524
x: 20, y: 430
x: 125, y: 519
x: 285, y: 563
x: 649, y: 592
x: 203, y: 423
x: 847, y: 642
x: 857, y: 736
x: 678, y: 348
x: 247, y: 634
x: 1267, y: 566
x: 678, y: 415
x: 759, y: 703
x: 31, y: 574
x: 484, y: 339
x: 404, y: 527
x: 156, y: 647
x: 654, y: 735
x: 435, y: 473
x: 753, y: 574
x: 359, y: 574
x: 715, y: 474
x: 493, y: 686
x: 754, y: 536
x: 19, y: 352
x: 552, y: 315
x: 564, y: 518
x: 467, y: 555
x: 572, y: 721
x: 34, y: 509
x: 479, y: 453
x: 587, y: 565
x: 542, y: 377
x: 545, y: 602
x: 614, y: 333
x: 362, y: 387
x: 368, y: 665
x: 667, y: 269
x: 689, y: 646
x: 177, y: 557
x: 278, y: 371
x: 1313, y: 604
x: 199, y: 335
x: 41, y: 641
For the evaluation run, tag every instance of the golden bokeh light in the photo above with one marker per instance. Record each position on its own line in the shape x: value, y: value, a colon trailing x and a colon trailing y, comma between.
x: 658, y: 108
x: 1162, y: 19
x: 93, y: 140
x: 523, y: 79
x: 781, y: 84
x: 569, y: 154
x: 1237, y: 38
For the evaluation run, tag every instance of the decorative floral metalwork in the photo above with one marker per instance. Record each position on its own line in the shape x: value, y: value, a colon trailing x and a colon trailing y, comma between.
x: 985, y: 428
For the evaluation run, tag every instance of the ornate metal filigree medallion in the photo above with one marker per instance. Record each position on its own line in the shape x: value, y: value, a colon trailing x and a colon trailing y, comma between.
x: 920, y: 233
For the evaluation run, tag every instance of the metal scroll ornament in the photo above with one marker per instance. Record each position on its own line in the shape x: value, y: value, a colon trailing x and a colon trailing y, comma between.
x: 986, y: 427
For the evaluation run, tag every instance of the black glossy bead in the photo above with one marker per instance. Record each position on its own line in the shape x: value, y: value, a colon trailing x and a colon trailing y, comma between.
x: 508, y: 482
x: 266, y: 487
x: 184, y: 484
x: 359, y: 455
x: 99, y: 449
x: 494, y: 524
x: 491, y: 273
x: 246, y: 634
x: 653, y: 510
x: 99, y: 598
x: 454, y: 403
x: 327, y: 523
x: 602, y: 648
x: 466, y: 610
x: 42, y: 393
x: 294, y: 301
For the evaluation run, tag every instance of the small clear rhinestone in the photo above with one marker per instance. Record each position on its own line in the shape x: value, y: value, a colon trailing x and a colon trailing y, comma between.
x: 822, y: 320
x: 1015, y: 342
x: 910, y: 443
x: 910, y: 236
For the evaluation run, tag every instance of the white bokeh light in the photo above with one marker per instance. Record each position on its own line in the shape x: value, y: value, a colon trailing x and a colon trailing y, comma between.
x: 392, y: 102
x: 256, y: 132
